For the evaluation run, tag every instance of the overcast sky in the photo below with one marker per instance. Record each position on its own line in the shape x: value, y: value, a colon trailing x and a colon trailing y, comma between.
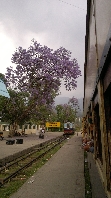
x: 54, y: 23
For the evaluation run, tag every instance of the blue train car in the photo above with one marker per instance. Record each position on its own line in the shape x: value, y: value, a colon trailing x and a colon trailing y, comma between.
x: 69, y: 128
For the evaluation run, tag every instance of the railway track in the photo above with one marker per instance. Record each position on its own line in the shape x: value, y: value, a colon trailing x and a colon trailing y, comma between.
x: 15, y: 167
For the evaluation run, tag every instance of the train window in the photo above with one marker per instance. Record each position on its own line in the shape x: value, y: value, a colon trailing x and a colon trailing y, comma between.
x: 65, y: 125
x: 68, y: 125
x: 71, y: 125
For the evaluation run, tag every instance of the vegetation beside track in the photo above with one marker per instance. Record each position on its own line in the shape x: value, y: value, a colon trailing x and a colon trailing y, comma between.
x: 12, y: 186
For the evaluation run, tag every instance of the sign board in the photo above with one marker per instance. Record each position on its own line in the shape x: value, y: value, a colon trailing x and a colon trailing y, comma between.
x: 52, y: 124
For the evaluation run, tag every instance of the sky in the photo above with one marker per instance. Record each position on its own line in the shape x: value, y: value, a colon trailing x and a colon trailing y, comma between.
x: 54, y: 23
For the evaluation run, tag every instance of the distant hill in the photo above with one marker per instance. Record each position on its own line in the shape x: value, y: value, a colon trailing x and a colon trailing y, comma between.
x: 64, y: 100
x: 61, y: 100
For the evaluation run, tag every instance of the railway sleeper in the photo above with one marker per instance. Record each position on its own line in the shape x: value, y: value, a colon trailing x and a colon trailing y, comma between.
x: 12, y: 175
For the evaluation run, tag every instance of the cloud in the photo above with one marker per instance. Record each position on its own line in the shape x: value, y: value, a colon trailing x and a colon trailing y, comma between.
x: 6, y: 49
x: 52, y: 23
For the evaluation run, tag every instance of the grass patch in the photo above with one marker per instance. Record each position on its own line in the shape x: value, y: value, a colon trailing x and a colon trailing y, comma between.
x: 8, y: 189
x: 88, y: 188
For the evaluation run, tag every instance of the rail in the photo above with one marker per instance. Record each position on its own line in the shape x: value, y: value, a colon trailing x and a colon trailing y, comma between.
x: 26, y: 161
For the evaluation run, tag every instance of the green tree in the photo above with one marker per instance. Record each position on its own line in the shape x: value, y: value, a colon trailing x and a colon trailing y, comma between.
x: 2, y: 77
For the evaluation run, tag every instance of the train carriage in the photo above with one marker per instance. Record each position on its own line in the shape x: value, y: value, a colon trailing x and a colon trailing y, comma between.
x: 69, y: 128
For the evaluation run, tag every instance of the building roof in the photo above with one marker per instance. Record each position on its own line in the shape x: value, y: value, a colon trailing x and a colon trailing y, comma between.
x: 3, y: 89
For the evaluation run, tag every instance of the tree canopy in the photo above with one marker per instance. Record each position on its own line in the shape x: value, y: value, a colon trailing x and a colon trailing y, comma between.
x: 39, y: 71
x: 67, y: 112
x: 35, y: 80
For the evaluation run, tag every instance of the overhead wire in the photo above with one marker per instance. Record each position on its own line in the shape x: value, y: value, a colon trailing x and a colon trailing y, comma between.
x: 71, y: 5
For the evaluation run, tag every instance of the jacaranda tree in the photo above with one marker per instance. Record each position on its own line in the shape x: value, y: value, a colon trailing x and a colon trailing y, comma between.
x: 38, y: 72
x: 74, y: 104
x: 67, y: 112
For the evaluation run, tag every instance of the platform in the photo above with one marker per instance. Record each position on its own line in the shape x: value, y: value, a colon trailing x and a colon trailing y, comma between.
x: 61, y: 177
x: 7, y: 150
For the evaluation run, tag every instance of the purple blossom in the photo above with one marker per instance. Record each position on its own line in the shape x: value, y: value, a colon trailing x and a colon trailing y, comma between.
x: 39, y: 71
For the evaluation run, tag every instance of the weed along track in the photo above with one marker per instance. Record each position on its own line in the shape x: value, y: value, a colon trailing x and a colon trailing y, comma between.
x: 16, y: 167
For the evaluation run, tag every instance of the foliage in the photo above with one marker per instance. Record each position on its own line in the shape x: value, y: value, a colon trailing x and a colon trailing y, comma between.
x: 65, y: 113
x: 35, y: 81
x: 7, y: 190
x: 39, y: 71
x: 41, y: 114
x: 14, y: 109
x: 2, y: 77
x: 18, y: 109
x: 74, y: 104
